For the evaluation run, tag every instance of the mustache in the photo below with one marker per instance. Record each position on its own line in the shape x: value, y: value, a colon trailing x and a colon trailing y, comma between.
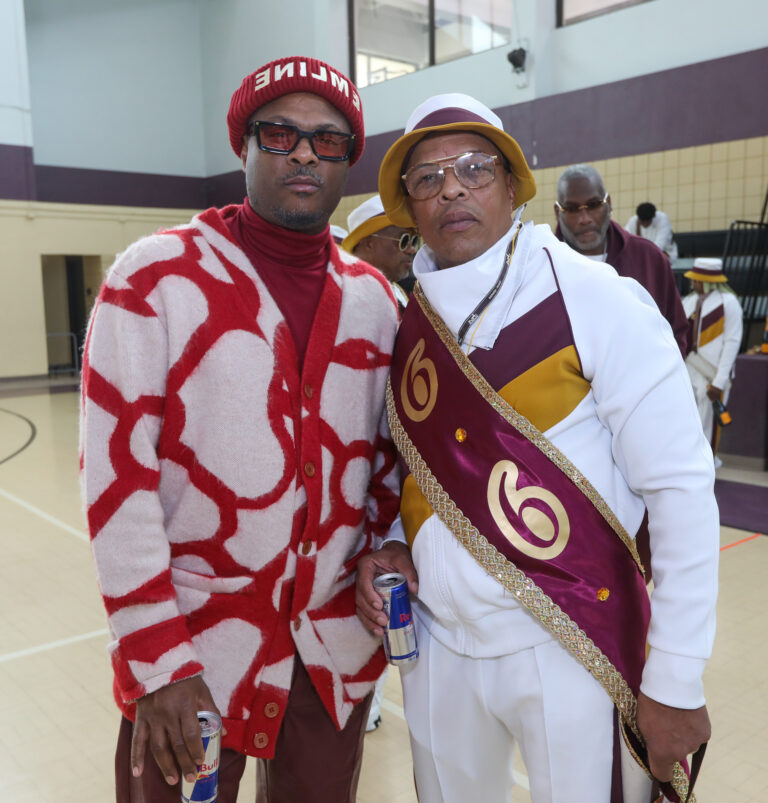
x: 303, y: 170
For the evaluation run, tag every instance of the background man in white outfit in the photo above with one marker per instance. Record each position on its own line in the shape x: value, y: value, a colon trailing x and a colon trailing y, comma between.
x: 489, y: 674
x: 648, y: 222
x: 716, y: 326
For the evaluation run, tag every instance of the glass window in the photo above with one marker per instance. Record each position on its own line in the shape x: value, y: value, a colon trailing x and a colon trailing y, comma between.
x: 577, y: 10
x: 464, y: 27
x: 392, y: 39
x: 395, y: 37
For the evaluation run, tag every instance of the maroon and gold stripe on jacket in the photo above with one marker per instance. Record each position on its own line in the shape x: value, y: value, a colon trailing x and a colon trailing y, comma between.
x: 712, y: 325
x: 534, y: 366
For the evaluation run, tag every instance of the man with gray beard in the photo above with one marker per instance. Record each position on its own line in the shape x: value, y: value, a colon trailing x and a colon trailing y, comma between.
x: 583, y: 211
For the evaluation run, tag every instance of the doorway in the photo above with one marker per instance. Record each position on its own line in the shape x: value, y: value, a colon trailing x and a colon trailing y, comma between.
x: 70, y: 286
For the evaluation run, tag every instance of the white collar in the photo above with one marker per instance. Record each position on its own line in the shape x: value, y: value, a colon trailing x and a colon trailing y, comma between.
x: 455, y: 292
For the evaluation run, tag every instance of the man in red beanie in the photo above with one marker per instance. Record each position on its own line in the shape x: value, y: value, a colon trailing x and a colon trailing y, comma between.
x: 236, y: 463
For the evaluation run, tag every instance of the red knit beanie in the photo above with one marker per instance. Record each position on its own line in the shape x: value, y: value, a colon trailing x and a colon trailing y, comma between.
x: 295, y: 74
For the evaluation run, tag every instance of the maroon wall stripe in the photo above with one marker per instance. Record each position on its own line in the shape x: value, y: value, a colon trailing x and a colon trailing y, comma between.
x: 17, y: 173
x: 713, y: 101
x: 75, y: 185
x: 225, y: 188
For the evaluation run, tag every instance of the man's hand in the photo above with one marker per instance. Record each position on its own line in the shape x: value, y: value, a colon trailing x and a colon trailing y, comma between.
x: 394, y: 556
x: 713, y: 393
x: 167, y: 719
x: 671, y: 734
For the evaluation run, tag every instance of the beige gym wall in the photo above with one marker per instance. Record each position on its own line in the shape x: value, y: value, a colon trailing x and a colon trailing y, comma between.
x: 30, y: 230
x: 701, y: 188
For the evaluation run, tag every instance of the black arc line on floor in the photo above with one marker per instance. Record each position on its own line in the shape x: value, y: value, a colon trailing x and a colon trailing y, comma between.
x: 32, y: 434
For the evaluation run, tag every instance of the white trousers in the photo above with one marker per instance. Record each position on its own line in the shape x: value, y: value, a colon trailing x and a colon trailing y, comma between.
x: 703, y: 402
x: 466, y: 714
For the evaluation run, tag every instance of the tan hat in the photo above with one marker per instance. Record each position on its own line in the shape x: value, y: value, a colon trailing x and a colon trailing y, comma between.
x: 706, y: 269
x: 366, y: 219
x: 447, y: 113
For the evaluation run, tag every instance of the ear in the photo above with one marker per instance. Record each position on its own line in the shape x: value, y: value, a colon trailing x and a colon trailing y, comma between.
x: 511, y: 189
x: 244, y: 152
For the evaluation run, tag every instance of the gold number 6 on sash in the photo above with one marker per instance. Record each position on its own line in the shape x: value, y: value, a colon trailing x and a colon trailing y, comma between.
x: 424, y: 389
x: 505, y: 475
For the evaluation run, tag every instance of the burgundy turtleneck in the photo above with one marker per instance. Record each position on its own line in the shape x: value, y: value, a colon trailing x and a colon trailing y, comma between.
x: 291, y: 263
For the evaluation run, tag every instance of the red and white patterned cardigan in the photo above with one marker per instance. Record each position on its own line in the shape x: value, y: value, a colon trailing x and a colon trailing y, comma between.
x: 228, y: 496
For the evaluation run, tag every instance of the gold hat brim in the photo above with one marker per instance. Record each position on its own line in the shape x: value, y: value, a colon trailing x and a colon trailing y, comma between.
x: 705, y: 277
x: 365, y: 229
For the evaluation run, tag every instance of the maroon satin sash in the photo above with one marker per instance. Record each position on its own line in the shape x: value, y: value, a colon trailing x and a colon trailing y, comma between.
x: 594, y: 578
x: 492, y: 477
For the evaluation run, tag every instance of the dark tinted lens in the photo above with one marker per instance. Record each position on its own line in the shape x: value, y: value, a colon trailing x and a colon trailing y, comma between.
x: 333, y: 144
x: 278, y: 137
x: 408, y: 241
x: 572, y: 209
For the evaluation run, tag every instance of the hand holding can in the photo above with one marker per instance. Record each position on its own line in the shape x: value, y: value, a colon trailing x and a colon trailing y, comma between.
x: 399, y: 637
x: 205, y: 787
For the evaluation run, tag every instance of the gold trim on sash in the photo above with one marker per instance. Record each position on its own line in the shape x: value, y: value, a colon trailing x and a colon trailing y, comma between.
x: 524, y: 426
x: 528, y: 594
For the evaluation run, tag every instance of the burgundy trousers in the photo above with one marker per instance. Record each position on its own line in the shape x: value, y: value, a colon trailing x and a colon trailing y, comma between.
x: 313, y: 763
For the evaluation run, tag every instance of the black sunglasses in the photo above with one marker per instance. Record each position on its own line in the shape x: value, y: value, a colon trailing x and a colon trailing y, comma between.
x: 332, y: 146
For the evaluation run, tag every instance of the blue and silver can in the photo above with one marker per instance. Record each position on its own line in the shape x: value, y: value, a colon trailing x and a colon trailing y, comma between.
x: 206, y: 786
x: 400, y: 636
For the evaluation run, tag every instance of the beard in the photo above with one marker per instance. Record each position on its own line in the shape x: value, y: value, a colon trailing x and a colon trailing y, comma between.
x: 599, y: 232
x: 299, y: 219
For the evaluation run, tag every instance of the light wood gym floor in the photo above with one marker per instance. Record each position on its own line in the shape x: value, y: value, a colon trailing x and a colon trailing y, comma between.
x: 59, y: 722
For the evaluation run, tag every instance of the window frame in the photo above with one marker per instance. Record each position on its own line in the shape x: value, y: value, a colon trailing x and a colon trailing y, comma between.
x: 616, y: 6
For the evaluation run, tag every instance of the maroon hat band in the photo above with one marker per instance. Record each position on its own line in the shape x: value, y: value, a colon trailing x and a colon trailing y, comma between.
x: 449, y: 116
x: 708, y: 271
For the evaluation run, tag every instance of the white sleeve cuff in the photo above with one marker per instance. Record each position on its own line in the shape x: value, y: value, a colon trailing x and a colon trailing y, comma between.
x: 674, y: 680
x: 721, y: 380
x: 396, y: 532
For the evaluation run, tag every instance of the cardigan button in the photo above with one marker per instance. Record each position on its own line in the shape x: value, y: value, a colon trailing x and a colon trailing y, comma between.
x: 306, y: 548
x: 309, y: 468
x: 296, y: 623
x: 260, y: 740
x: 308, y: 390
x: 271, y: 710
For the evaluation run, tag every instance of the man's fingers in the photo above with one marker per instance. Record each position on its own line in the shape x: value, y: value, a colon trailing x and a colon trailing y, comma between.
x: 661, y: 769
x: 184, y: 759
x: 372, y: 617
x: 161, y: 750
x: 191, y: 734
x: 369, y: 623
x: 139, y: 747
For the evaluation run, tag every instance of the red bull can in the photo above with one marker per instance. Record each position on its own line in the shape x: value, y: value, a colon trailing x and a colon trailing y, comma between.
x: 400, y: 637
x: 206, y: 786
